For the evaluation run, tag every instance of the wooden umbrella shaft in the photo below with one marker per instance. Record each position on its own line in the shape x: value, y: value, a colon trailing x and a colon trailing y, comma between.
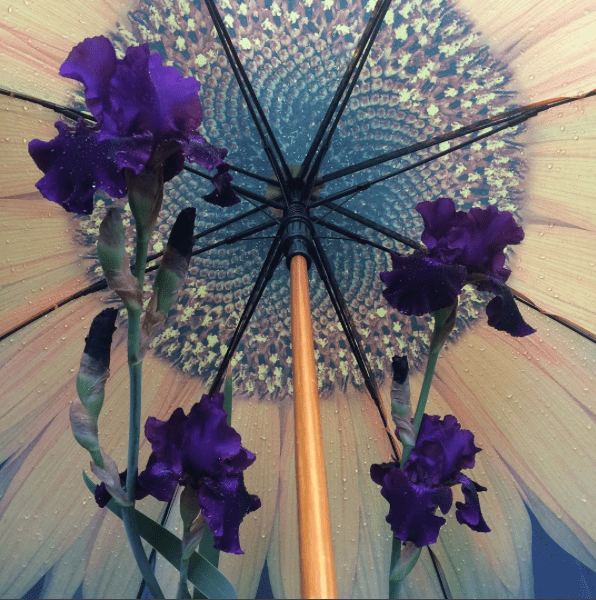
x: 317, y: 570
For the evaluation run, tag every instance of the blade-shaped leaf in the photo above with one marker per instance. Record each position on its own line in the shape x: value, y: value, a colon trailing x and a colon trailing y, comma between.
x: 201, y: 573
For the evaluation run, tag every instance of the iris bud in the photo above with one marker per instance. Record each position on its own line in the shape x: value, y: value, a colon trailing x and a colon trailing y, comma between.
x: 114, y: 260
x: 401, y: 406
x: 170, y: 276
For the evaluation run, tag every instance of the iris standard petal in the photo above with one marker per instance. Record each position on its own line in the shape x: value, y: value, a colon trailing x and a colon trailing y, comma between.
x: 178, y: 102
x: 439, y: 218
x: 442, y: 450
x: 210, y: 447
x: 93, y: 63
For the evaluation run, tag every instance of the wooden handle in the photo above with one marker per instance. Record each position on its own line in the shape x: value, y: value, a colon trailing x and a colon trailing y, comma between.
x: 317, y: 569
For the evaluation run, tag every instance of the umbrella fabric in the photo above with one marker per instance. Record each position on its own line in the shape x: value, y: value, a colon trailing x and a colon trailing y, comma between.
x: 528, y: 401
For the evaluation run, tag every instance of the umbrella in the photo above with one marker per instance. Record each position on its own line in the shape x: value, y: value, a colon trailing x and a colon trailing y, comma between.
x: 433, y: 68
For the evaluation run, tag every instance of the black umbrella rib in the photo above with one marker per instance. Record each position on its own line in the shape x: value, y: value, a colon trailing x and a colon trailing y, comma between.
x: 277, y: 160
x: 513, y: 117
x: 69, y: 113
x: 327, y: 275
x: 398, y: 237
x: 345, y: 89
x: 568, y: 324
x: 256, y: 176
x: 211, y: 230
x: 271, y: 261
x: 241, y: 235
x: 361, y: 187
x: 351, y: 236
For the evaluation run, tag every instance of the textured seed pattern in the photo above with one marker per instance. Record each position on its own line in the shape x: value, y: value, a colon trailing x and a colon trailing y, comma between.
x: 428, y: 73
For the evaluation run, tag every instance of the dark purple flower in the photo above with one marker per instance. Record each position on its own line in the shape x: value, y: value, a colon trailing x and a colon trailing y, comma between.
x: 140, y: 106
x: 202, y: 451
x: 463, y: 248
x: 415, y: 491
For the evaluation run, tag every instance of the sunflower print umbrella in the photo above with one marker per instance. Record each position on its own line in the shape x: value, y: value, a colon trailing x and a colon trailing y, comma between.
x: 435, y: 66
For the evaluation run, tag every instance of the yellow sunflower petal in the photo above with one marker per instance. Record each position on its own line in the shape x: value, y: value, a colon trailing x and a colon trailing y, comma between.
x: 36, y: 38
x: 555, y: 265
x: 38, y: 235
x: 547, y: 44
x: 65, y: 577
x: 531, y: 399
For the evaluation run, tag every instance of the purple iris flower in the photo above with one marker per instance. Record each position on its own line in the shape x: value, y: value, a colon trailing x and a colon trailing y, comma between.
x: 202, y: 451
x: 146, y: 113
x: 463, y: 248
x: 415, y: 491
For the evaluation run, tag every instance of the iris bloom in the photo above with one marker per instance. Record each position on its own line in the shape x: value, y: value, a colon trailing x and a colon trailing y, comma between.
x: 147, y: 116
x: 464, y: 248
x: 202, y: 451
x: 415, y: 491
x: 529, y: 401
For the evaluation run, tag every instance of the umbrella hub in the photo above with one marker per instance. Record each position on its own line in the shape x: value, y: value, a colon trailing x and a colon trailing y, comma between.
x: 297, y: 230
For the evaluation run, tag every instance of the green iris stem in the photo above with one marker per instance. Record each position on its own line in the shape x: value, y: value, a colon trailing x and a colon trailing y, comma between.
x: 135, y: 366
x: 395, y: 555
x: 183, y: 591
x: 141, y: 255
x: 436, y: 343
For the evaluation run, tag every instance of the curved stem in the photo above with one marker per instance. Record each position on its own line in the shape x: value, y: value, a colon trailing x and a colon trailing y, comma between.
x: 141, y: 256
x: 433, y: 356
x: 444, y: 319
x: 135, y: 366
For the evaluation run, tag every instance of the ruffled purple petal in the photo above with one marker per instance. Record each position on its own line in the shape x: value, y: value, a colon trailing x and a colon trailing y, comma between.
x: 482, y: 242
x: 160, y: 478
x: 412, y: 507
x: 223, y: 194
x: 439, y: 218
x: 134, y: 102
x: 474, y: 239
x: 93, y: 62
x: 166, y: 438
x: 419, y: 285
x: 136, y: 94
x: 468, y: 512
x: 178, y: 103
x: 78, y: 161
x: 164, y: 467
x: 503, y: 313
x: 442, y: 450
x: 211, y: 448
x: 225, y: 503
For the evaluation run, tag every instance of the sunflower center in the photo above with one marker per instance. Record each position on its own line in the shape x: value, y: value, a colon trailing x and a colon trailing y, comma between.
x: 428, y: 73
